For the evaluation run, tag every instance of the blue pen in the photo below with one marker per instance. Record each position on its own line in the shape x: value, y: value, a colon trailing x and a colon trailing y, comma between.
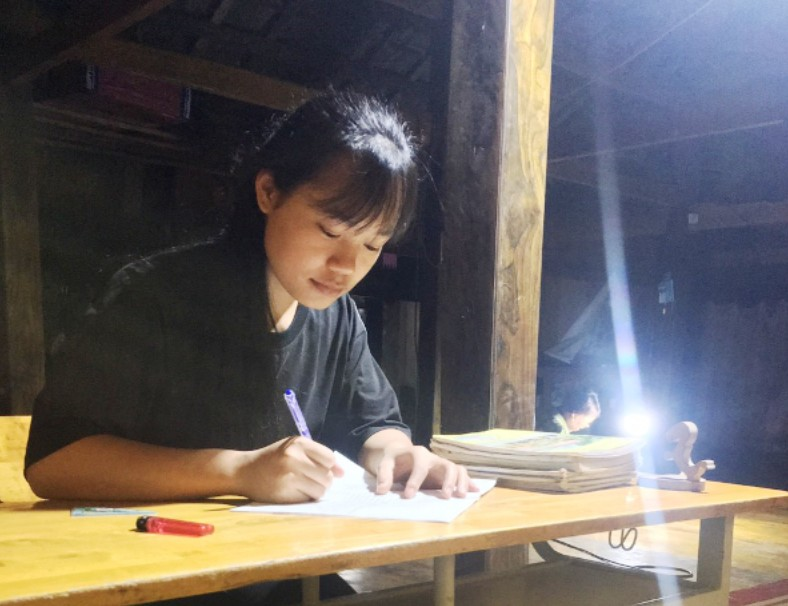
x: 298, y: 416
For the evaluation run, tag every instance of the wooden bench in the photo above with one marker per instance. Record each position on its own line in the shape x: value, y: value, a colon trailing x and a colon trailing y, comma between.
x: 13, y: 441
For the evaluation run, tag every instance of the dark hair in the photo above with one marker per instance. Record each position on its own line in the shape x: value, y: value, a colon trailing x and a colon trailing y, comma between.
x: 329, y: 127
x: 580, y: 402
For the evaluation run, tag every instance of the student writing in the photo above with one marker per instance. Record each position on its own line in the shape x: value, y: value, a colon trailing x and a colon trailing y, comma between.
x: 174, y: 389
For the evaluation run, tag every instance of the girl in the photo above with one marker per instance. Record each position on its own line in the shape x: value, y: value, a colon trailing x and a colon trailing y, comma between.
x: 174, y: 390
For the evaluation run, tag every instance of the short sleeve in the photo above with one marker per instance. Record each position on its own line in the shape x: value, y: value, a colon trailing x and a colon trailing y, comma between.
x: 373, y: 403
x: 103, y: 380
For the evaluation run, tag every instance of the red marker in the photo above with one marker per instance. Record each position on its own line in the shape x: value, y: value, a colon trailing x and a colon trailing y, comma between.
x: 170, y: 526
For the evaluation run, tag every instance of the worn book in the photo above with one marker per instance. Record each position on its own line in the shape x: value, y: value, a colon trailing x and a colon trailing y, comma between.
x: 538, y: 460
x: 555, y: 481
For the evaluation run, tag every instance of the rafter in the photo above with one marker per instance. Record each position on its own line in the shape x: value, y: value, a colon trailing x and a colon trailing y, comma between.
x: 690, y: 133
x: 60, y: 42
x: 585, y: 173
x: 747, y: 258
x: 432, y: 9
x: 703, y: 217
x: 201, y: 74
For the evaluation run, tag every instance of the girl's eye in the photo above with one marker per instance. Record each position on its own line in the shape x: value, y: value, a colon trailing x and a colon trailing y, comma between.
x: 328, y: 233
x: 372, y: 248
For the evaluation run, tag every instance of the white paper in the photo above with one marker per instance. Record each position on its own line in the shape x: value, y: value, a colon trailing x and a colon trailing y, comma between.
x: 353, y: 495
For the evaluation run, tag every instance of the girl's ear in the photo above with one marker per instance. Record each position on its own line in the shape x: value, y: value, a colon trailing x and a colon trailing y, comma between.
x: 266, y: 191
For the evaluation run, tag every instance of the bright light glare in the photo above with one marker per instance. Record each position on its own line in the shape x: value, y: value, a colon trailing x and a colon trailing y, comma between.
x: 636, y: 424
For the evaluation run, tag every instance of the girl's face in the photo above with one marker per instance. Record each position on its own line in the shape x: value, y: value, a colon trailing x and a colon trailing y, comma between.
x: 312, y: 258
x: 578, y: 421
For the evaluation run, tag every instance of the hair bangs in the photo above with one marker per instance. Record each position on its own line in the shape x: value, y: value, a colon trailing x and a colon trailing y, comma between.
x: 372, y: 193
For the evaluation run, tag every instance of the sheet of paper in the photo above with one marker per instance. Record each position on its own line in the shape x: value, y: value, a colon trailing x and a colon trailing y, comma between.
x: 353, y: 495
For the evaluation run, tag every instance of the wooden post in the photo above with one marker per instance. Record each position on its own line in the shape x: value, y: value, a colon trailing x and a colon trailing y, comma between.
x: 21, y: 321
x: 443, y: 582
x: 493, y: 195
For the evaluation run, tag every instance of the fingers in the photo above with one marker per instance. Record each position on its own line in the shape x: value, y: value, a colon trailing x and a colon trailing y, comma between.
x: 451, y: 485
x: 464, y: 484
x: 431, y: 471
x: 313, y: 482
x: 315, y: 452
x: 298, y: 470
x: 385, y: 475
x: 314, y: 461
x: 417, y: 476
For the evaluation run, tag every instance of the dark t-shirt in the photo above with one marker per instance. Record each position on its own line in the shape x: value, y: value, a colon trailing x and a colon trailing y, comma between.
x: 176, y: 354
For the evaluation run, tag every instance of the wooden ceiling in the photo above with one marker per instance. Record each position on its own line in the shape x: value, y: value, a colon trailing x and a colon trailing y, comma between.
x: 675, y: 112
x: 668, y: 115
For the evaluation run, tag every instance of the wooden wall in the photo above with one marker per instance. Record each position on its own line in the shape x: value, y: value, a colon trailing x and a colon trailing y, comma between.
x: 736, y: 388
x: 21, y: 327
x: 94, y: 211
x: 717, y: 357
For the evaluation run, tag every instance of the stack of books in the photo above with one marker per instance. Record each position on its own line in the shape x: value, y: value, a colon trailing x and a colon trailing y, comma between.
x: 536, y: 460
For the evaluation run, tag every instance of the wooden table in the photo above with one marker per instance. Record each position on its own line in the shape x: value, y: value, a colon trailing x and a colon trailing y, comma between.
x: 49, y: 557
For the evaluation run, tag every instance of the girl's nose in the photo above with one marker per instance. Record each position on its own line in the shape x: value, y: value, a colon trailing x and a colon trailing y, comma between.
x: 343, y: 260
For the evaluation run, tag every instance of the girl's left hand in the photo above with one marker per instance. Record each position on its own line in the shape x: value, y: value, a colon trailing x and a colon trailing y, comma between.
x: 416, y: 467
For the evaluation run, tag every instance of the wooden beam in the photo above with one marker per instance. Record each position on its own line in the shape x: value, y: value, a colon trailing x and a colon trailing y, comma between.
x: 704, y: 217
x: 747, y: 258
x: 220, y: 12
x: 471, y: 169
x: 521, y: 205
x: 493, y: 194
x: 582, y: 229
x: 654, y: 222
x: 688, y: 133
x: 432, y: 9
x: 223, y: 80
x: 87, y: 135
x: 585, y: 172
x: 21, y: 319
x: 58, y: 44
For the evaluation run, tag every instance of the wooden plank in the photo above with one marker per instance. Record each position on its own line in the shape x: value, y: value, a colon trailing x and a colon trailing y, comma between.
x: 123, y: 567
x: 470, y: 199
x: 704, y: 217
x: 758, y: 556
x: 493, y: 194
x: 21, y: 320
x: 521, y: 212
x: 432, y: 9
x: 746, y: 258
x: 223, y: 80
x: 577, y: 230
x: 57, y: 128
x: 220, y: 12
x: 58, y: 43
x: 585, y: 172
x: 431, y: 223
x: 714, y: 553
x: 13, y: 442
x: 635, y: 140
x: 652, y: 221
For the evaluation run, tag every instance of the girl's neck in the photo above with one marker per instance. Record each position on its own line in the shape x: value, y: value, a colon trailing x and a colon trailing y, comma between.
x: 283, y: 321
x: 282, y: 305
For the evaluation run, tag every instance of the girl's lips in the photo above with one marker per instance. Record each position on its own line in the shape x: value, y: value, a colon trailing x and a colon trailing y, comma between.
x: 327, y: 290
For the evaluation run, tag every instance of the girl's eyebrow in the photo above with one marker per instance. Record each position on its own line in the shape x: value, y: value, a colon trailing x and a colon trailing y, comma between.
x: 384, y: 232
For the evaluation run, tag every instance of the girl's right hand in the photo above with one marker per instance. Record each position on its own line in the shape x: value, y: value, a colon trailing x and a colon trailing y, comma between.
x: 292, y: 470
